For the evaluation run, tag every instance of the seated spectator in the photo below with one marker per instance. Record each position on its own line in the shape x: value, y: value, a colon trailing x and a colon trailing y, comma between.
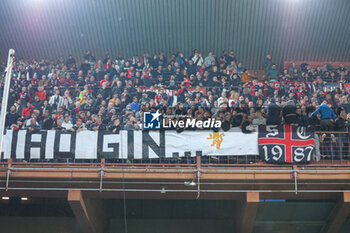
x: 41, y: 93
x: 116, y: 126
x: 66, y: 123
x: 259, y: 119
x: 247, y: 126
x: 79, y: 126
x: 34, y: 126
x: 227, y: 123
x: 11, y: 117
x: 135, y: 106
x: 59, y: 126
x: 18, y: 125
x: 37, y: 103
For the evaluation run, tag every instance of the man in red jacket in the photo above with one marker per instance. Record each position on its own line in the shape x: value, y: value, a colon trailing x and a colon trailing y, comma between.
x: 41, y: 93
x: 26, y: 112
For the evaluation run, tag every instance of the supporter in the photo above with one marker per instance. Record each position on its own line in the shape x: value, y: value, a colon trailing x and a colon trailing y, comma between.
x: 267, y: 63
x: 116, y: 126
x: 17, y: 126
x: 40, y: 92
x: 79, y: 126
x: 56, y: 101
x: 272, y: 74
x: 293, y: 69
x: 289, y: 113
x: 327, y: 116
x: 34, y: 126
x: 66, y: 123
x: 259, y: 119
x: 303, y: 119
x: 247, y: 126
x: 27, y: 111
x: 344, y: 104
x: 208, y: 61
x: 37, y: 103
x: 59, y: 126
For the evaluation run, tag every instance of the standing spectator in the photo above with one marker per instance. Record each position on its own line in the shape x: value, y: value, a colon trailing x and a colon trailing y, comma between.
x: 209, y: 59
x: 272, y: 74
x: 56, y: 100
x: 267, y: 63
x: 70, y: 62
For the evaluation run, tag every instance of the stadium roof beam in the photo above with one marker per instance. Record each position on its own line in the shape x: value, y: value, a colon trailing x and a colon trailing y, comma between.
x: 246, y: 212
x: 90, y: 213
x: 338, y: 215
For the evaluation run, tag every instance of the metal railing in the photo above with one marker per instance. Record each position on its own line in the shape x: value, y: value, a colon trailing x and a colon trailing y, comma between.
x: 331, y: 147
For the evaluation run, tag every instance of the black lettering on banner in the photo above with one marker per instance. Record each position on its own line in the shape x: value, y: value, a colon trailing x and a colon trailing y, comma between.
x: 14, y: 144
x: 147, y: 141
x: 30, y: 144
x: 71, y: 152
x: 2, y: 154
x: 115, y: 146
x: 130, y: 143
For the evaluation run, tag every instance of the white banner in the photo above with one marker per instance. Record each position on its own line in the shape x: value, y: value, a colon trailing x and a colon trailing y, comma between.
x: 127, y: 144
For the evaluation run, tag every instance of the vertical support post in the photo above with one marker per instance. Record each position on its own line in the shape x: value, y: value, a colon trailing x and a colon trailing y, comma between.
x: 338, y: 215
x: 198, y: 162
x: 102, y: 173
x: 246, y: 212
x: 9, y: 166
x: 5, y: 96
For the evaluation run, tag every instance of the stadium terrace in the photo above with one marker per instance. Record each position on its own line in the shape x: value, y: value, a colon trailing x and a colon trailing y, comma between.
x: 193, y: 123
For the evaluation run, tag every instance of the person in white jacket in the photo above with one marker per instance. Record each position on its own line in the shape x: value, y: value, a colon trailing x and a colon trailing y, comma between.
x: 66, y: 123
x: 198, y: 59
x: 56, y: 101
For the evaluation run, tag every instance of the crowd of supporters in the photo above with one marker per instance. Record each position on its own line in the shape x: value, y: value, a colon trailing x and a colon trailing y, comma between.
x: 112, y: 94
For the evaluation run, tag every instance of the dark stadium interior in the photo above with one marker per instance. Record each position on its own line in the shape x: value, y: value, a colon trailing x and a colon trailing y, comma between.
x: 173, y: 215
x: 97, y: 67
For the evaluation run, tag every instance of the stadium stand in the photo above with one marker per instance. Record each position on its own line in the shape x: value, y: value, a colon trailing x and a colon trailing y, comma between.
x: 111, y: 94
